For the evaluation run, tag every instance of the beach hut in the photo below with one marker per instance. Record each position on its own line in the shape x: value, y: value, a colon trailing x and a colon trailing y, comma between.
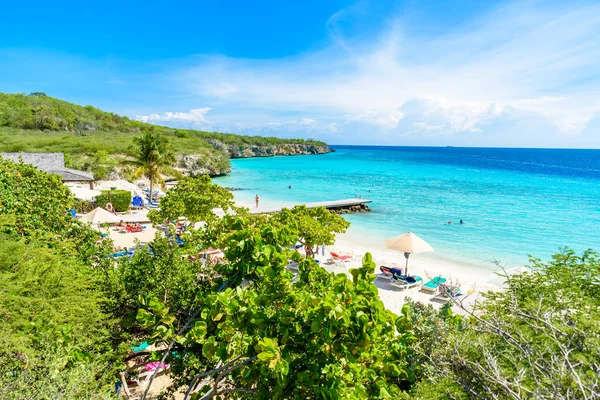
x: 408, y: 243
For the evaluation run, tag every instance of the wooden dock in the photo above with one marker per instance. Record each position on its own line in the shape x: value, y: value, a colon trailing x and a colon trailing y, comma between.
x: 332, y: 205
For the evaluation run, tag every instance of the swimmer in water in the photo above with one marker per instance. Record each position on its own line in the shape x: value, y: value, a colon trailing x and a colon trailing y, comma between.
x: 461, y: 222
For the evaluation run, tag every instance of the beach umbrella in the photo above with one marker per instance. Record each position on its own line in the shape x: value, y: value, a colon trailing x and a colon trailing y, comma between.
x: 84, y: 193
x: 100, y: 216
x: 408, y: 243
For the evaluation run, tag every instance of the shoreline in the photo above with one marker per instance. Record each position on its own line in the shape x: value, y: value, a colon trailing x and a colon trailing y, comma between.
x: 472, y: 279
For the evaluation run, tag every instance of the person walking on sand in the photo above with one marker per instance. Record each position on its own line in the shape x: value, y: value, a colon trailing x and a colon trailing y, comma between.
x: 256, y: 198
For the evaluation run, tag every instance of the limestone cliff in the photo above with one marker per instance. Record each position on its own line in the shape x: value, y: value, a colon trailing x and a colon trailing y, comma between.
x: 286, y: 149
x: 214, y: 164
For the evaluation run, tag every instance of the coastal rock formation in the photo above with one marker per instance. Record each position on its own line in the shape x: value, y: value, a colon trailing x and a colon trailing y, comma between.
x: 351, y: 209
x: 201, y: 164
x: 287, y: 149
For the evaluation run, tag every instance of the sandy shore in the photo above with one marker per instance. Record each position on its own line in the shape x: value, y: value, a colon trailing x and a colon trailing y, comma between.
x: 473, y: 280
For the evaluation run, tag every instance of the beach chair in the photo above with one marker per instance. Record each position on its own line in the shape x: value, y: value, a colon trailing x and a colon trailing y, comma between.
x: 433, y: 285
x: 405, y: 281
x: 143, y: 376
x: 135, y: 229
x: 447, y: 293
x: 293, y: 265
x: 336, y: 258
x: 179, y: 241
x: 137, y: 202
x: 388, y: 272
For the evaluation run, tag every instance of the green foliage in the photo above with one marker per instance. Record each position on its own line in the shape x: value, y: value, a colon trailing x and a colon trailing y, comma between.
x: 193, y: 198
x: 100, y: 164
x: 39, y: 123
x: 56, y: 338
x: 321, y: 337
x: 39, y: 201
x: 541, y: 337
x: 120, y: 199
x: 314, y: 226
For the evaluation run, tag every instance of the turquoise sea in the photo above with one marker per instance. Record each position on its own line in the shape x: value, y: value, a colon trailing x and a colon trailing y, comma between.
x: 514, y: 202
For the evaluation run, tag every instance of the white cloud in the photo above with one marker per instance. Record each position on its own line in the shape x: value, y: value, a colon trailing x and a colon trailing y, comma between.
x: 522, y: 60
x: 195, y: 117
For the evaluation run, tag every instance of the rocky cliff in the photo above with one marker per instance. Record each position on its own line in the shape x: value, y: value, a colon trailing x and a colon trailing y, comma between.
x: 202, y: 164
x: 286, y: 149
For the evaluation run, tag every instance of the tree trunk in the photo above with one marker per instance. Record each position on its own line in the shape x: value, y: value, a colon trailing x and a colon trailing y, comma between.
x: 151, y: 187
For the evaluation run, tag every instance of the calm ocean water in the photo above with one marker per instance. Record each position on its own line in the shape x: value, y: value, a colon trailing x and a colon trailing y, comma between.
x: 514, y: 202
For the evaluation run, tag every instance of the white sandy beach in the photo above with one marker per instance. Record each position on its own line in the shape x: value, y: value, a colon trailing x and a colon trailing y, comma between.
x: 473, y: 281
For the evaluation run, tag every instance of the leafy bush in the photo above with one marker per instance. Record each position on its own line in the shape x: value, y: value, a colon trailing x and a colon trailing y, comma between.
x: 120, y: 199
x: 85, y: 206
x: 38, y: 200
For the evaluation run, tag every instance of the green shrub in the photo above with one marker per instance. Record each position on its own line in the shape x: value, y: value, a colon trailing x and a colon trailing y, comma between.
x: 182, y: 134
x: 84, y: 206
x: 120, y: 199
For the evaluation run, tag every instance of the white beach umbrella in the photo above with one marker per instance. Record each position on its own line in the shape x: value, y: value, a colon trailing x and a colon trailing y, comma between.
x: 408, y: 243
x: 100, y: 216
x: 84, y: 193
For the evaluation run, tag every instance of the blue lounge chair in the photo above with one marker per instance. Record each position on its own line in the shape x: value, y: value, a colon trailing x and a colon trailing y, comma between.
x: 179, y: 241
x: 432, y: 285
x: 137, y: 201
x: 405, y: 281
x: 388, y: 272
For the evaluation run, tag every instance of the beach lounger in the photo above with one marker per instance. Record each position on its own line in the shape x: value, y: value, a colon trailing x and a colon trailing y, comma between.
x: 336, y: 257
x: 134, y: 229
x: 447, y: 293
x: 433, y: 285
x: 120, y: 254
x: 293, y: 265
x: 405, y: 281
x: 388, y: 272
x: 148, y: 370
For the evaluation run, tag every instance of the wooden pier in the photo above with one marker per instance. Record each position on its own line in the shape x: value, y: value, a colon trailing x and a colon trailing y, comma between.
x: 335, y: 206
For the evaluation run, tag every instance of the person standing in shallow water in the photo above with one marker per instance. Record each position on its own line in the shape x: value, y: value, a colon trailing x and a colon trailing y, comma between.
x: 256, y: 198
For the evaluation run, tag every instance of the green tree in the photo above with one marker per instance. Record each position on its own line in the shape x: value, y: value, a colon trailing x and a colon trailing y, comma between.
x: 193, y: 198
x: 153, y: 157
x: 323, y: 336
x: 538, y: 339
x: 314, y: 226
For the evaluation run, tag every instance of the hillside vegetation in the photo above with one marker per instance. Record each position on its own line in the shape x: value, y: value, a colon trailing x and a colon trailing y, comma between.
x: 86, y: 134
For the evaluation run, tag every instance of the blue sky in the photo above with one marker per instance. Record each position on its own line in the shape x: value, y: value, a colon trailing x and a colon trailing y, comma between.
x: 383, y: 72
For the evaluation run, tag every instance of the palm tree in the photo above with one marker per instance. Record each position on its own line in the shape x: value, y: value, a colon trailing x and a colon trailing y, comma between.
x: 153, y: 157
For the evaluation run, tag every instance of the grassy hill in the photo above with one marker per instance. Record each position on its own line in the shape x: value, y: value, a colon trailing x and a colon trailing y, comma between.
x: 89, y: 136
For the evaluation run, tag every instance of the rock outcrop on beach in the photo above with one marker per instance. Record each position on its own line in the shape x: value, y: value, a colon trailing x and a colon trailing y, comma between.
x: 285, y: 149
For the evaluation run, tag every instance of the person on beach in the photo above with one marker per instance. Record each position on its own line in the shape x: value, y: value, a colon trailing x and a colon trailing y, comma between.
x: 256, y: 198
